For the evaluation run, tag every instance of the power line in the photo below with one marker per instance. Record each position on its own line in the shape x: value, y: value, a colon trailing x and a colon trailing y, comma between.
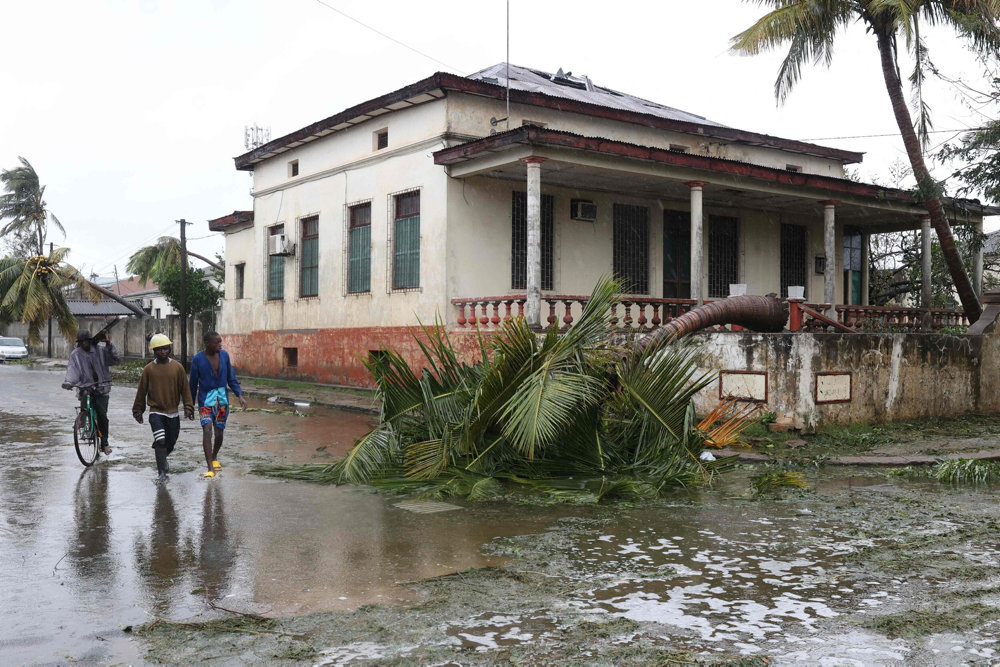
x: 892, y: 134
x: 389, y: 37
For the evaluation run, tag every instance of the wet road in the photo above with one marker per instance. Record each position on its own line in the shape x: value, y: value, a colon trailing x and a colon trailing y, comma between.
x: 86, y: 553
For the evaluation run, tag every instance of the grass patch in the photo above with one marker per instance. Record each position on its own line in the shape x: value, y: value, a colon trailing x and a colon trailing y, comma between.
x: 922, y: 622
x: 128, y: 371
x: 967, y: 471
x: 302, y: 385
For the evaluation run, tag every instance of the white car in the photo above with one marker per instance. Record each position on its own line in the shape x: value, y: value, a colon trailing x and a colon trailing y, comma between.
x: 12, y: 349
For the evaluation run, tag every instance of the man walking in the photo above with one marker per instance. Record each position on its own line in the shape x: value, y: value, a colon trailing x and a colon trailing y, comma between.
x: 162, y: 385
x: 89, y: 371
x: 211, y: 372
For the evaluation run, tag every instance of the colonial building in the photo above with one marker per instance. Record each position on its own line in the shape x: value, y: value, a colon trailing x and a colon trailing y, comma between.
x: 509, y: 192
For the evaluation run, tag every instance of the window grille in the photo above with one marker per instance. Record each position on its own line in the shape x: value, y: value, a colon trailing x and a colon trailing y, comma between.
x: 406, y: 241
x: 631, y: 247
x: 359, y: 242
x: 276, y: 269
x: 309, y: 263
x: 794, y: 258
x: 853, y: 258
x: 519, y: 240
x: 239, y: 279
x: 723, y: 254
x: 676, y: 254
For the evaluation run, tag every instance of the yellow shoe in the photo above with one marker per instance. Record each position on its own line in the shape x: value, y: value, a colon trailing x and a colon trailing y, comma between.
x: 208, y: 475
x: 216, y: 466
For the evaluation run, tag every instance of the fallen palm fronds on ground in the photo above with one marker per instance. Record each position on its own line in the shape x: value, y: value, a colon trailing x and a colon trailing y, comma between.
x: 571, y: 416
x: 954, y: 471
x: 771, y: 483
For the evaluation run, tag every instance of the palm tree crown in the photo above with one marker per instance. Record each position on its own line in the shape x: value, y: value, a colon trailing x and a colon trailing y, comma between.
x: 150, y: 262
x: 24, y: 207
x: 809, y: 29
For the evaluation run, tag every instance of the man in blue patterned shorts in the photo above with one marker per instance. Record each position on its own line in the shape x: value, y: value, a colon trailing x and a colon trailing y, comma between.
x: 211, y: 373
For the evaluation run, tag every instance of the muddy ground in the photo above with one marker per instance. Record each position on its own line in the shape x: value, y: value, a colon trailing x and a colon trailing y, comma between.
x: 860, y: 568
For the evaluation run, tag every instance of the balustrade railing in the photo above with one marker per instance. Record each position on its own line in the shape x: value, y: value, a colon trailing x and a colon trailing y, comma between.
x: 639, y: 313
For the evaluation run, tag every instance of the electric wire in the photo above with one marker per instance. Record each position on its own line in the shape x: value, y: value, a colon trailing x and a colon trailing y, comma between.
x: 389, y: 37
x: 892, y: 134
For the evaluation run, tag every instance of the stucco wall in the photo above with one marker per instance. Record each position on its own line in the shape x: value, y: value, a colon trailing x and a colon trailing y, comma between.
x: 893, y: 376
x: 470, y: 114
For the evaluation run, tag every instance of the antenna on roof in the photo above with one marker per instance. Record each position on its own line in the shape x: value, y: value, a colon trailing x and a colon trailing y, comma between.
x: 255, y: 135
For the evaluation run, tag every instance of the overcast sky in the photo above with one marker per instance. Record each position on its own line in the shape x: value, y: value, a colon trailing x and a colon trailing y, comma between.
x: 132, y: 110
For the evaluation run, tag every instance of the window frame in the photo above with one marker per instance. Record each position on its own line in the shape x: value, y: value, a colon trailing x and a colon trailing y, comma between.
x: 239, y: 280
x: 349, y: 227
x: 392, y: 238
x: 785, y: 266
x: 625, y: 259
x: 269, y: 293
x: 303, y: 267
x: 722, y: 291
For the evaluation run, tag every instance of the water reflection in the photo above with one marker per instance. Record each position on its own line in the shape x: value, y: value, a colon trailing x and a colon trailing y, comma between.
x: 217, y: 550
x: 159, y: 558
x: 89, y: 549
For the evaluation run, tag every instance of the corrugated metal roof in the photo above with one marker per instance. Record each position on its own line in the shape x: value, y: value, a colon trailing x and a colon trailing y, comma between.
x: 582, y: 89
x: 87, y: 308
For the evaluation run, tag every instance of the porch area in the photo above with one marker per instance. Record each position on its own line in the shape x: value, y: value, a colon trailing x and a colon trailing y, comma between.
x: 728, y: 227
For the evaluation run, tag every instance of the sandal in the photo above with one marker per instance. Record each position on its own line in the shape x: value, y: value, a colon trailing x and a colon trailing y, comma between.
x: 216, y: 466
x: 208, y: 475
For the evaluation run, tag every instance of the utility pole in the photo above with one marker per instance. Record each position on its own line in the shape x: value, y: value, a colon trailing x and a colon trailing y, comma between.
x: 184, y: 320
x: 49, y: 352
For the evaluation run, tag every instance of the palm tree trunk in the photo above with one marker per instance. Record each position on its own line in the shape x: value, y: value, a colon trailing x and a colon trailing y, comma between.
x: 757, y: 313
x: 214, y: 265
x: 114, y: 297
x: 925, y: 184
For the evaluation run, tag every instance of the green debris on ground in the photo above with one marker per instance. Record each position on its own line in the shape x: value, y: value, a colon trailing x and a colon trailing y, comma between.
x: 922, y: 622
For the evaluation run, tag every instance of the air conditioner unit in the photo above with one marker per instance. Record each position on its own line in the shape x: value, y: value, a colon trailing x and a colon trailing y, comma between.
x: 277, y: 244
x: 583, y: 209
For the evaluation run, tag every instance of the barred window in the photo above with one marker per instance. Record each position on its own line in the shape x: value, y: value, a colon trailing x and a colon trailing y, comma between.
x: 676, y: 254
x: 853, y: 258
x: 406, y: 241
x: 631, y: 247
x: 723, y: 254
x: 359, y: 256
x: 519, y: 240
x: 276, y: 269
x: 309, y: 263
x: 794, y: 264
x: 239, y: 278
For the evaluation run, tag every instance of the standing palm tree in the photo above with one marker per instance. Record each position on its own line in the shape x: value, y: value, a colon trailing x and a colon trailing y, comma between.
x: 809, y: 28
x: 24, y: 207
x: 150, y: 262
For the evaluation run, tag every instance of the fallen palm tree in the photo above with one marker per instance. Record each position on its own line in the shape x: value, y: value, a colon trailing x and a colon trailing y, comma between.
x: 569, y: 415
x: 757, y: 313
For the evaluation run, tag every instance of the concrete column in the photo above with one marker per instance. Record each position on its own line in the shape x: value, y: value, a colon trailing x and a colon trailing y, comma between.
x: 830, y: 248
x: 977, y: 263
x: 866, y: 250
x: 925, y: 262
x: 533, y: 305
x: 697, y: 240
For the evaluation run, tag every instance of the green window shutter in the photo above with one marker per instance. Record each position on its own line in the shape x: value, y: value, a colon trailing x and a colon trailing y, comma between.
x: 359, y: 260
x: 406, y: 251
x: 310, y: 267
x: 275, y: 277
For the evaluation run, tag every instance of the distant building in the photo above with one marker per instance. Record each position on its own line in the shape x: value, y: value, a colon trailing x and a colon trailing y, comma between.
x: 416, y: 205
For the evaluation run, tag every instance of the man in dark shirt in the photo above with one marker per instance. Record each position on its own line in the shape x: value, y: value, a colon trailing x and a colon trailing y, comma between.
x: 89, y: 371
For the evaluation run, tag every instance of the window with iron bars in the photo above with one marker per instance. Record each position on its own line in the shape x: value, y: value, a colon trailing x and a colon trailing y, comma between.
x: 794, y: 259
x: 276, y: 269
x: 676, y: 254
x: 239, y: 279
x: 723, y: 254
x: 406, y: 241
x: 631, y: 247
x: 519, y: 240
x: 309, y: 262
x: 359, y: 242
x: 853, y: 265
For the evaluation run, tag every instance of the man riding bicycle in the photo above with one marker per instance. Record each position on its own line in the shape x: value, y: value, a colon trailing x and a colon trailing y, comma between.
x: 89, y: 371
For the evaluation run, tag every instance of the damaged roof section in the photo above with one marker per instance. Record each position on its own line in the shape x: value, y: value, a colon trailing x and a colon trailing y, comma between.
x: 560, y: 91
x: 232, y: 220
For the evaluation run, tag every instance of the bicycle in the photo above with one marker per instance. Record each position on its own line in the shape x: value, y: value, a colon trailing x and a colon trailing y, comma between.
x: 86, y: 433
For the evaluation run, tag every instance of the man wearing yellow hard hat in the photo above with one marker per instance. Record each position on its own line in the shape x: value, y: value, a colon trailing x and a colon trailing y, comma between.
x: 162, y: 386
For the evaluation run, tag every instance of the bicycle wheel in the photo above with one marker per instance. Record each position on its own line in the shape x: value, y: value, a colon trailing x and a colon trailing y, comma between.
x: 85, y: 439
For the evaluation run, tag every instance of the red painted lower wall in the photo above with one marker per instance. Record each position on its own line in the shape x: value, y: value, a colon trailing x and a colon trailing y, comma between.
x: 333, y: 356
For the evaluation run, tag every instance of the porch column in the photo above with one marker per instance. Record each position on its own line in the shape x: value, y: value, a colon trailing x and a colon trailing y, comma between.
x: 866, y: 249
x: 925, y: 262
x: 533, y: 305
x: 977, y: 263
x: 697, y: 239
x: 830, y: 248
